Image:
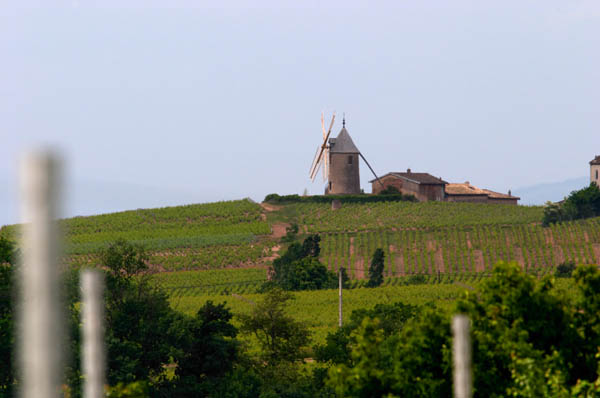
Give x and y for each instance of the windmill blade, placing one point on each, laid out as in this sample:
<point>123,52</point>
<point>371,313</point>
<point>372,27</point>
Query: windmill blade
<point>326,164</point>
<point>315,163</point>
<point>313,169</point>
<point>372,171</point>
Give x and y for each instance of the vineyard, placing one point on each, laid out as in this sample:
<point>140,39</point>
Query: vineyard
<point>202,236</point>
<point>465,249</point>
<point>355,217</point>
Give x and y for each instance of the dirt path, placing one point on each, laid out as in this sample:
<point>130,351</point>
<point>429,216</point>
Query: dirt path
<point>479,262</point>
<point>269,207</point>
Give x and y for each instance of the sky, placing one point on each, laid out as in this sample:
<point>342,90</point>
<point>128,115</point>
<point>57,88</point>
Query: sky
<point>163,103</point>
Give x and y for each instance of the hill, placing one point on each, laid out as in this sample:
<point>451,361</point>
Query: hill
<point>552,191</point>
<point>430,238</point>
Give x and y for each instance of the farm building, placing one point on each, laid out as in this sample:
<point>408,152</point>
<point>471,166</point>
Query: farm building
<point>466,192</point>
<point>426,187</point>
<point>423,186</point>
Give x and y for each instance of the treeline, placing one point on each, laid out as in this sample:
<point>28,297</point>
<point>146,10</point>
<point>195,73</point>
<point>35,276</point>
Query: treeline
<point>584,203</point>
<point>388,196</point>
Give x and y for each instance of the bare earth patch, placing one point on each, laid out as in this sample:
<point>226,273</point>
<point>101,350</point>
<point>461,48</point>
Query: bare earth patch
<point>479,263</point>
<point>279,229</point>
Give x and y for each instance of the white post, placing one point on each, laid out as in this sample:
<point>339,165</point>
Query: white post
<point>461,352</point>
<point>92,315</point>
<point>340,299</point>
<point>40,318</point>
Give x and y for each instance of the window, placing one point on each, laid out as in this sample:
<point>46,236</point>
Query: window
<point>350,159</point>
<point>330,185</point>
<point>596,174</point>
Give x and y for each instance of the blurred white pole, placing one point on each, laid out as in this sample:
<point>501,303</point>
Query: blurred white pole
<point>461,352</point>
<point>92,314</point>
<point>40,338</point>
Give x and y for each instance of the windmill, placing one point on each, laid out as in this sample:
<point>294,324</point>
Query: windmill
<point>338,158</point>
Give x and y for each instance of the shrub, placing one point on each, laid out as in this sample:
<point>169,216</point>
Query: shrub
<point>565,270</point>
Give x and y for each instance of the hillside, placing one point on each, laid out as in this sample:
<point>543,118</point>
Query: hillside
<point>416,237</point>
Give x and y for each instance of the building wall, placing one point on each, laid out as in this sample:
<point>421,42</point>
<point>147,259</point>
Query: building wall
<point>433,192</point>
<point>467,198</point>
<point>343,174</point>
<point>422,192</point>
<point>387,181</point>
<point>595,174</point>
<point>499,201</point>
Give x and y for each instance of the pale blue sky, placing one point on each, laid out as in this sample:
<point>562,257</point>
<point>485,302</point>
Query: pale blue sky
<point>201,101</point>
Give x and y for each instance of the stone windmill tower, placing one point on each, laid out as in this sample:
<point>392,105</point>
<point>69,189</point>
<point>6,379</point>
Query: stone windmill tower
<point>339,160</point>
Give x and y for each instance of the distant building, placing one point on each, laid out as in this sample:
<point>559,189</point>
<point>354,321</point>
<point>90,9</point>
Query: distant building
<point>595,170</point>
<point>423,186</point>
<point>466,192</point>
<point>426,187</point>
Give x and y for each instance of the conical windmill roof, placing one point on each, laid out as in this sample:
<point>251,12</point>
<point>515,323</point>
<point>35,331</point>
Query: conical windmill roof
<point>342,143</point>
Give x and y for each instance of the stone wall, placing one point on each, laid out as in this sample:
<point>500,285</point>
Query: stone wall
<point>343,174</point>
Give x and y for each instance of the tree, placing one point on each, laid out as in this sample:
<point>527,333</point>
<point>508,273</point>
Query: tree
<point>376,268</point>
<point>8,251</point>
<point>391,318</point>
<point>583,203</point>
<point>142,330</point>
<point>527,341</point>
<point>281,337</point>
<point>209,352</point>
<point>7,370</point>
<point>299,267</point>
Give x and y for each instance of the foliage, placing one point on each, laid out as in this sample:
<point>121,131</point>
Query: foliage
<point>7,370</point>
<point>565,270</point>
<point>413,363</point>
<point>376,268</point>
<point>584,203</point>
<point>390,319</point>
<point>8,251</point>
<point>137,389</point>
<point>280,336</point>
<point>290,233</point>
<point>389,190</point>
<point>299,267</point>
<point>527,341</point>
<point>208,352</point>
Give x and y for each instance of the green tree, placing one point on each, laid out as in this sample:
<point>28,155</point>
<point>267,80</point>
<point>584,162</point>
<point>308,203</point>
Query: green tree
<point>8,251</point>
<point>299,267</point>
<point>142,331</point>
<point>208,353</point>
<point>7,375</point>
<point>583,203</point>
<point>376,268</point>
<point>280,336</point>
<point>391,319</point>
